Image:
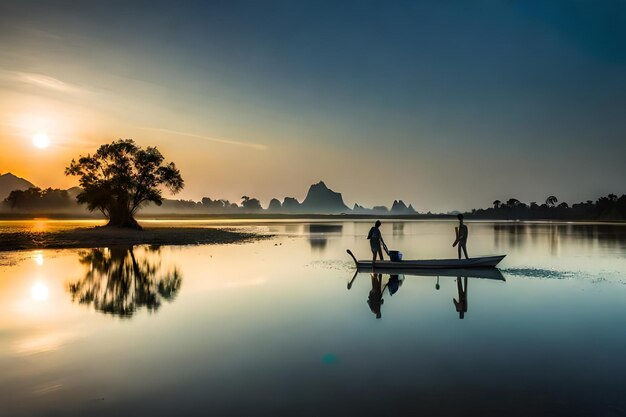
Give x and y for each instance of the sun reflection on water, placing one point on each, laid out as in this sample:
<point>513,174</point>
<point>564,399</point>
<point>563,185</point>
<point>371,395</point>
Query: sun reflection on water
<point>38,257</point>
<point>39,292</point>
<point>39,225</point>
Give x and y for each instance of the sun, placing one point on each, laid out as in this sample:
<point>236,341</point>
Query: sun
<point>41,140</point>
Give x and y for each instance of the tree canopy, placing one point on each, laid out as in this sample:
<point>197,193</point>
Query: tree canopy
<point>121,177</point>
<point>249,203</point>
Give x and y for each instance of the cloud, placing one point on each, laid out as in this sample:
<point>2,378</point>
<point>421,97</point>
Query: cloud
<point>252,145</point>
<point>41,81</point>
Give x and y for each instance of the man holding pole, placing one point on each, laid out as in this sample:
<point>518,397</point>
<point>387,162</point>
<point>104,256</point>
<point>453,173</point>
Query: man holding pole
<point>461,237</point>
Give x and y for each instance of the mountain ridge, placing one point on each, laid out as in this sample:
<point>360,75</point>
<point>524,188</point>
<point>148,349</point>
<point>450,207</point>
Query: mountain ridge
<point>10,182</point>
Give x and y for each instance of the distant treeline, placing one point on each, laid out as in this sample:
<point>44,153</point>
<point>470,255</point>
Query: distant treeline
<point>41,201</point>
<point>319,200</point>
<point>56,200</point>
<point>38,200</point>
<point>610,207</point>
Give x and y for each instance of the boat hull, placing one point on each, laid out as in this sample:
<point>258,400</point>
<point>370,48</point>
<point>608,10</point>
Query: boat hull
<point>478,262</point>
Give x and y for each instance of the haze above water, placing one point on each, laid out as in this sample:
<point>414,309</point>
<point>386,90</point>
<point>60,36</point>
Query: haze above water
<point>271,328</point>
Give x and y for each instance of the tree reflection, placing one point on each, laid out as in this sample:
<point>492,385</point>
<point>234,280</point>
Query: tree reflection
<point>121,280</point>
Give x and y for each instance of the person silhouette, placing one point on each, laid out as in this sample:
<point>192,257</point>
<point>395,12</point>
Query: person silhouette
<point>461,305</point>
<point>461,237</point>
<point>376,239</point>
<point>375,298</point>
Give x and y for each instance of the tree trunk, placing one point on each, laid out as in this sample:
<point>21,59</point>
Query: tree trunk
<point>121,217</point>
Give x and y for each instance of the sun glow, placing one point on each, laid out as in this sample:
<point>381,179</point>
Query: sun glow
<point>39,292</point>
<point>41,140</point>
<point>38,257</point>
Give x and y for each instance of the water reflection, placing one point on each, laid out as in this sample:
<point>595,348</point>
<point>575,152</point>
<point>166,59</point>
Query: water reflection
<point>554,235</point>
<point>375,298</point>
<point>121,280</point>
<point>395,280</point>
<point>398,228</point>
<point>318,234</point>
<point>461,304</point>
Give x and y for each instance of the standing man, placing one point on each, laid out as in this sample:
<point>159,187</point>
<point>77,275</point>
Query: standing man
<point>461,237</point>
<point>376,239</point>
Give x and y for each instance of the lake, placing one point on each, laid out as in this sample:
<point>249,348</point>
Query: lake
<point>283,326</point>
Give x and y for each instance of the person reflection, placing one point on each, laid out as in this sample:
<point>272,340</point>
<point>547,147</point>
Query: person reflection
<point>375,298</point>
<point>461,305</point>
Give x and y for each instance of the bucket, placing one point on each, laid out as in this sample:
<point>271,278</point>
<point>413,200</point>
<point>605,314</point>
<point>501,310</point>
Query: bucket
<point>395,256</point>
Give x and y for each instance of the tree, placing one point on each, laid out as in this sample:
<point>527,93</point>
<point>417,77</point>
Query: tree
<point>23,199</point>
<point>250,203</point>
<point>551,201</point>
<point>122,177</point>
<point>496,204</point>
<point>513,202</point>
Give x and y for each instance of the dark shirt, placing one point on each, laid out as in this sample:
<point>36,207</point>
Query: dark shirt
<point>463,233</point>
<point>374,235</point>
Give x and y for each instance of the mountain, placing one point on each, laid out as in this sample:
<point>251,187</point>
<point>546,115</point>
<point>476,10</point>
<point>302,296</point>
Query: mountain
<point>321,199</point>
<point>274,205</point>
<point>399,207</point>
<point>74,191</point>
<point>10,182</point>
<point>290,204</point>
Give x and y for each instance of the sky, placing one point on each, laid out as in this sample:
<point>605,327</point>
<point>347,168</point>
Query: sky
<point>443,104</point>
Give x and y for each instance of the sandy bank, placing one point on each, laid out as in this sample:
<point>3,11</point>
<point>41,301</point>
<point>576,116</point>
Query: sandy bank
<point>103,237</point>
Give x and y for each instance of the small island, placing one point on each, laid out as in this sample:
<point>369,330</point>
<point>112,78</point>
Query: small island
<point>97,237</point>
<point>116,181</point>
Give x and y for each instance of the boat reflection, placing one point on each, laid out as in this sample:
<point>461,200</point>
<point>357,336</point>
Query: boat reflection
<point>391,280</point>
<point>121,280</point>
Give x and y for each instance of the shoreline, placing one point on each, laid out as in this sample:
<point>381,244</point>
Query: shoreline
<point>97,237</point>
<point>292,217</point>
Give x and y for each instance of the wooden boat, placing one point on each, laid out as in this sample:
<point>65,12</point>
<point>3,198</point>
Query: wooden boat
<point>479,262</point>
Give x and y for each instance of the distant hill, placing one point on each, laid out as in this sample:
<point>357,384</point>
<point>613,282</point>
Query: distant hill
<point>10,182</point>
<point>274,205</point>
<point>73,192</point>
<point>399,207</point>
<point>321,199</point>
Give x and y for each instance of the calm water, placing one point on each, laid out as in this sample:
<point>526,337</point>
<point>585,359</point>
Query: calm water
<point>271,328</point>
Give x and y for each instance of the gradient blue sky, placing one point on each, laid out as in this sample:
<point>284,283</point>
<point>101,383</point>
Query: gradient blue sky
<point>448,105</point>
